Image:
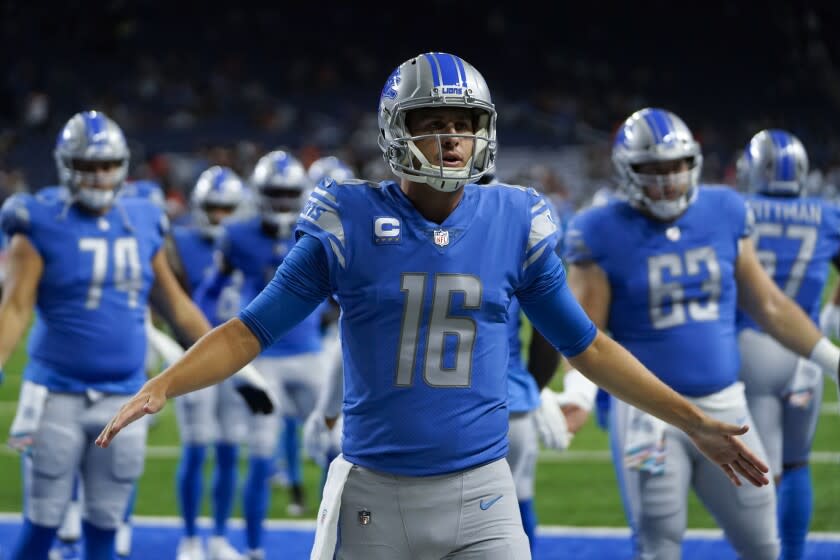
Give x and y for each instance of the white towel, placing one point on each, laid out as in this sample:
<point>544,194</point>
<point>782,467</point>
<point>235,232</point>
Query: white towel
<point>28,415</point>
<point>806,378</point>
<point>326,529</point>
<point>644,446</point>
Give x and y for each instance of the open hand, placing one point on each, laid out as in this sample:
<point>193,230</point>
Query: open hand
<point>150,399</point>
<point>718,441</point>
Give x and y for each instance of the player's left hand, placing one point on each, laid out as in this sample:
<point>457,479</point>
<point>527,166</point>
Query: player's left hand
<point>717,440</point>
<point>149,400</point>
<point>259,397</point>
<point>551,422</point>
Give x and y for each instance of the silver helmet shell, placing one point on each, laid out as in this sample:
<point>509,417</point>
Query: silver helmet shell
<point>218,187</point>
<point>329,167</point>
<point>656,135</point>
<point>774,163</point>
<point>91,136</point>
<point>436,80</point>
<point>282,184</point>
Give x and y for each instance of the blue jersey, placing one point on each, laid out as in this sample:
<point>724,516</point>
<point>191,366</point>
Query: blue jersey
<point>425,312</point>
<point>523,393</point>
<point>195,251</point>
<point>796,239</point>
<point>93,293</point>
<point>246,247</point>
<point>144,189</point>
<point>673,290</point>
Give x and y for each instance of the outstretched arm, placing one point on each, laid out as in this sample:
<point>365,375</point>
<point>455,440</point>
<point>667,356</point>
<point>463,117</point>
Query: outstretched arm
<point>552,308</point>
<point>20,288</point>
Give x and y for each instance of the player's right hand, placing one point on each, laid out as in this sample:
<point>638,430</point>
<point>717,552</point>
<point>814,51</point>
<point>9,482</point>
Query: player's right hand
<point>319,440</point>
<point>150,399</point>
<point>830,320</point>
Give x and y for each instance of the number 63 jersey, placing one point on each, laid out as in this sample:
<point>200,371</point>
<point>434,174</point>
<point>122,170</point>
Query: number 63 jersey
<point>424,314</point>
<point>673,291</point>
<point>93,293</point>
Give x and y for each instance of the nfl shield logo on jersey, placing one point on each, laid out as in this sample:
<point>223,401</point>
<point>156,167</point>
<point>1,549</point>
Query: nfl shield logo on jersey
<point>441,237</point>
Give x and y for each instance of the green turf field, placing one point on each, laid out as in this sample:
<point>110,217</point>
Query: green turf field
<point>577,488</point>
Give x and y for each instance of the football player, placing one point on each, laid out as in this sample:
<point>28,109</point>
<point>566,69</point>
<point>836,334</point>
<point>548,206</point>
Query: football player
<point>676,313</point>
<point>255,247</point>
<point>796,237</point>
<point>424,270</point>
<point>216,415</point>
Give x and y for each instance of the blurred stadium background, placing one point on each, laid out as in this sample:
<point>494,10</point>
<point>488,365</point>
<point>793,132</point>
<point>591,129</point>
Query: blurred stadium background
<point>197,84</point>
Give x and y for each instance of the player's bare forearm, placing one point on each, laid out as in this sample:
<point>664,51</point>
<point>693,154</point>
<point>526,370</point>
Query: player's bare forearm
<point>13,323</point>
<point>612,367</point>
<point>216,356</point>
<point>23,273</point>
<point>784,320</point>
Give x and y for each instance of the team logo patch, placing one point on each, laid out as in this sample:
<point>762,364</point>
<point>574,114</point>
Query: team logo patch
<point>364,517</point>
<point>441,237</point>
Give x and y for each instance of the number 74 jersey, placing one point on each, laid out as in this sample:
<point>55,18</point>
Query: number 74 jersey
<point>673,290</point>
<point>92,296</point>
<point>424,314</point>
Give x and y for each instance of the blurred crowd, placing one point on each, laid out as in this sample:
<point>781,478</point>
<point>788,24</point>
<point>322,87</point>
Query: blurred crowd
<point>234,83</point>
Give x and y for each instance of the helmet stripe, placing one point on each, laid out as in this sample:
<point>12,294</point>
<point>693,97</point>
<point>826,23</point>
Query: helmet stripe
<point>659,123</point>
<point>433,64</point>
<point>94,126</point>
<point>783,156</point>
<point>461,70</point>
<point>219,179</point>
<point>449,75</point>
<point>651,122</point>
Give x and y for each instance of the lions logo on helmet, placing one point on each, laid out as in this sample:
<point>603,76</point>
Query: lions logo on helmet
<point>436,80</point>
<point>329,167</point>
<point>217,194</point>
<point>91,156</point>
<point>774,163</point>
<point>281,183</point>
<point>658,162</point>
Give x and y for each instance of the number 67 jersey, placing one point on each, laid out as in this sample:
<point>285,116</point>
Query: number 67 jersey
<point>424,314</point>
<point>673,290</point>
<point>92,296</point>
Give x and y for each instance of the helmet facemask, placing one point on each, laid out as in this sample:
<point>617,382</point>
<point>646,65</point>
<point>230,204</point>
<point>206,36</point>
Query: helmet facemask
<point>664,195</point>
<point>280,206</point>
<point>93,183</point>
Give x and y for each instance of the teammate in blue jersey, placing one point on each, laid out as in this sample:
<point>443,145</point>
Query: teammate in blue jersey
<point>796,237</point>
<point>215,415</point>
<point>424,271</point>
<point>664,271</point>
<point>255,247</point>
<point>88,262</point>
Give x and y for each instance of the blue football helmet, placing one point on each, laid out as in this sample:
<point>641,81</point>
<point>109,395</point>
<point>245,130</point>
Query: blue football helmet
<point>657,136</point>
<point>91,156</point>
<point>217,188</point>
<point>332,167</point>
<point>436,80</point>
<point>774,163</point>
<point>282,185</point>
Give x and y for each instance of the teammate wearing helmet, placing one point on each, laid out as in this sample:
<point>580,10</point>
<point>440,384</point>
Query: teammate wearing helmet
<point>796,237</point>
<point>676,313</point>
<point>424,332</point>
<point>215,415</point>
<point>90,263</point>
<point>254,248</point>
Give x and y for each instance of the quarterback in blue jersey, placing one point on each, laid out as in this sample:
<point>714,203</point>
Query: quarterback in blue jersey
<point>424,271</point>
<point>676,312</point>
<point>215,415</point>
<point>88,262</point>
<point>796,237</point>
<point>255,247</point>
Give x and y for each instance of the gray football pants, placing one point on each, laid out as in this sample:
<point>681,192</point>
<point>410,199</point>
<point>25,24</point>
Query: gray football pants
<point>657,504</point>
<point>786,424</point>
<point>472,514</point>
<point>64,445</point>
<point>523,449</point>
